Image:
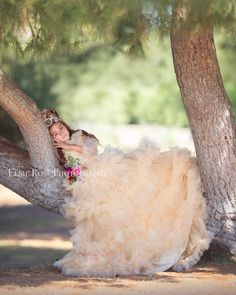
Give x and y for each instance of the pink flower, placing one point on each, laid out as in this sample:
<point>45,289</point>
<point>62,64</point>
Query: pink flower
<point>76,171</point>
<point>68,171</point>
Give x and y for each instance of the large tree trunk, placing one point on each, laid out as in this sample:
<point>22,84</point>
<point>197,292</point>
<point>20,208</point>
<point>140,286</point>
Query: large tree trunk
<point>211,121</point>
<point>35,174</point>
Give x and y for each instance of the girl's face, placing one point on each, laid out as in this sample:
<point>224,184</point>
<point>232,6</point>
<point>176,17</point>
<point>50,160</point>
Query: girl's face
<point>59,132</point>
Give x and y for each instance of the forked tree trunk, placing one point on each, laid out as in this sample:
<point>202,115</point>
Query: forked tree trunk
<point>212,124</point>
<point>34,174</point>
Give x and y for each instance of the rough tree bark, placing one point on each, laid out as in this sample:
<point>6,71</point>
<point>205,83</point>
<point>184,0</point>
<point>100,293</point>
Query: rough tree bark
<point>211,121</point>
<point>34,173</point>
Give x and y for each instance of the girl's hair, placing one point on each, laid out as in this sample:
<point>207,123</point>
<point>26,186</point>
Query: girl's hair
<point>47,113</point>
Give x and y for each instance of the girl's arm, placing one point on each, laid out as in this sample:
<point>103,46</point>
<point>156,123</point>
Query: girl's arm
<point>70,147</point>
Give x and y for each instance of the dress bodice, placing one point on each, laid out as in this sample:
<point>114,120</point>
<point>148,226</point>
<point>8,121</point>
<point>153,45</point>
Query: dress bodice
<point>89,146</point>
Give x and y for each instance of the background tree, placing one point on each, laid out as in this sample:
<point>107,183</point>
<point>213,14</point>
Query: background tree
<point>46,28</point>
<point>210,117</point>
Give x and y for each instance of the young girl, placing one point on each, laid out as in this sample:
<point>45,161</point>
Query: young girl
<point>78,141</point>
<point>134,212</point>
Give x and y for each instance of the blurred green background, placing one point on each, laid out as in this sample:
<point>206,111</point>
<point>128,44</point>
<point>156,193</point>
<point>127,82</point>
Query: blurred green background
<point>103,86</point>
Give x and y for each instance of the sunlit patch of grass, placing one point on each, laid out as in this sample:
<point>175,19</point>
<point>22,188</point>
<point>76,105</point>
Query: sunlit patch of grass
<point>27,252</point>
<point>37,243</point>
<point>9,198</point>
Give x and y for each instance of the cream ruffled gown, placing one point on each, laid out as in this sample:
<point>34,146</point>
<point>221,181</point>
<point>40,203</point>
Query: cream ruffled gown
<point>134,212</point>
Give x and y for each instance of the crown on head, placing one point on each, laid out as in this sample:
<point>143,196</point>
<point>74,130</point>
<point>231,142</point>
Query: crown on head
<point>51,120</point>
<point>50,117</point>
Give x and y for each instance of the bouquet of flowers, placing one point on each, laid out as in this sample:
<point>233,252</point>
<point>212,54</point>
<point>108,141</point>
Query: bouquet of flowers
<point>72,169</point>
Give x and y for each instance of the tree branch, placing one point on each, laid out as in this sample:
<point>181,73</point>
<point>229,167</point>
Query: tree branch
<point>26,114</point>
<point>16,174</point>
<point>35,173</point>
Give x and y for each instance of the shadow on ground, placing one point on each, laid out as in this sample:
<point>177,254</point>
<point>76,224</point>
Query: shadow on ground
<point>31,239</point>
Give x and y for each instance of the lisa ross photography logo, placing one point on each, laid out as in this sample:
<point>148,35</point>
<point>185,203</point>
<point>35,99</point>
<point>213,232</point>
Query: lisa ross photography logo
<point>33,172</point>
<point>53,173</point>
<point>73,171</point>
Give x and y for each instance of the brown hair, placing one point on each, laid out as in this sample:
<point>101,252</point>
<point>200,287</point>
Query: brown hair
<point>46,113</point>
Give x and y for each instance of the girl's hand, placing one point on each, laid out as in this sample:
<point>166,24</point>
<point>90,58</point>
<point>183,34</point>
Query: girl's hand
<point>67,146</point>
<point>61,144</point>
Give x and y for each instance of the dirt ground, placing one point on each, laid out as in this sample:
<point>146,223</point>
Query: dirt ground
<point>31,239</point>
<point>46,280</point>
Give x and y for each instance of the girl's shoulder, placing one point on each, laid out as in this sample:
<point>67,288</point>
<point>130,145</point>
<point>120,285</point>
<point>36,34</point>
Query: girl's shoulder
<point>76,138</point>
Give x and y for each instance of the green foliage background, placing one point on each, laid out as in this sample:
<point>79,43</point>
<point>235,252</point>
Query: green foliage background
<point>69,55</point>
<point>105,85</point>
